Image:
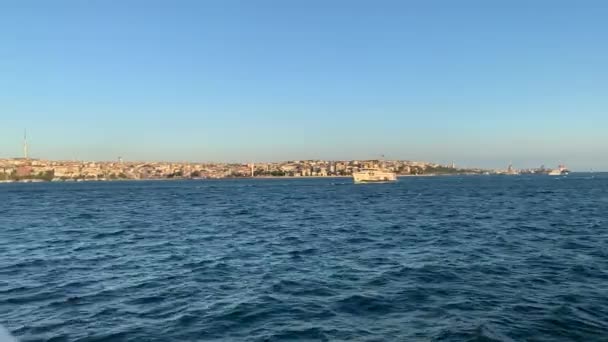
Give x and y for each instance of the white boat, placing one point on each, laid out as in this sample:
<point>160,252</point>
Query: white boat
<point>562,170</point>
<point>374,176</point>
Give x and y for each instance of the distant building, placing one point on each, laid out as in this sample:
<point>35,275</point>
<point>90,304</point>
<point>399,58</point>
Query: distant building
<point>24,171</point>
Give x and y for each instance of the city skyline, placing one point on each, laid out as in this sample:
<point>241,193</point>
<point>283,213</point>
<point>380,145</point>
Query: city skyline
<point>29,170</point>
<point>477,83</point>
<point>120,159</point>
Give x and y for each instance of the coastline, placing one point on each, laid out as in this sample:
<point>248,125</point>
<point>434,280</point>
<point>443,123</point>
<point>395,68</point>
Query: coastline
<point>216,179</point>
<point>199,179</point>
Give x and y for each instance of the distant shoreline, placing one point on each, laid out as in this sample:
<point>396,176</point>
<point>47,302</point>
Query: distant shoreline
<point>198,179</point>
<point>235,178</point>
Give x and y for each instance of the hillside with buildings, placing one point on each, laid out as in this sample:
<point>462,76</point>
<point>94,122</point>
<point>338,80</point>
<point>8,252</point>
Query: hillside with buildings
<point>23,169</point>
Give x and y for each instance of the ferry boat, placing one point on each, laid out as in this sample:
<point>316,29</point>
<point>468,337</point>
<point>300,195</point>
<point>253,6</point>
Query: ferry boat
<point>562,170</point>
<point>374,176</point>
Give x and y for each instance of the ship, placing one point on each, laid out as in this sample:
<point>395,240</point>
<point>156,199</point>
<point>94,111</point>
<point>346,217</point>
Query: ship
<point>561,170</point>
<point>374,176</point>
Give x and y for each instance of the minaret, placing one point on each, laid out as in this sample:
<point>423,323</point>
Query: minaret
<point>252,170</point>
<point>25,144</point>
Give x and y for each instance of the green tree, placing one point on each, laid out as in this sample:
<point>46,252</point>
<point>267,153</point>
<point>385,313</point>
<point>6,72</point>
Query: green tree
<point>47,175</point>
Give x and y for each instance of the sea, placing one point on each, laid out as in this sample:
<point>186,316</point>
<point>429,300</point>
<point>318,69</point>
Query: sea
<point>447,258</point>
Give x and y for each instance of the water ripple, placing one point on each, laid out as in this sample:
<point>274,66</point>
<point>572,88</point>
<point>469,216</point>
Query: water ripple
<point>430,258</point>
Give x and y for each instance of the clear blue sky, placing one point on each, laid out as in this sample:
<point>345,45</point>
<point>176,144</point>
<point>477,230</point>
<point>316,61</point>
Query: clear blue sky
<point>481,82</point>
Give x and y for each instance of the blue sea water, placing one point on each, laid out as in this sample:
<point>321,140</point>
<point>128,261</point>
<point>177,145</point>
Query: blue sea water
<point>471,258</point>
